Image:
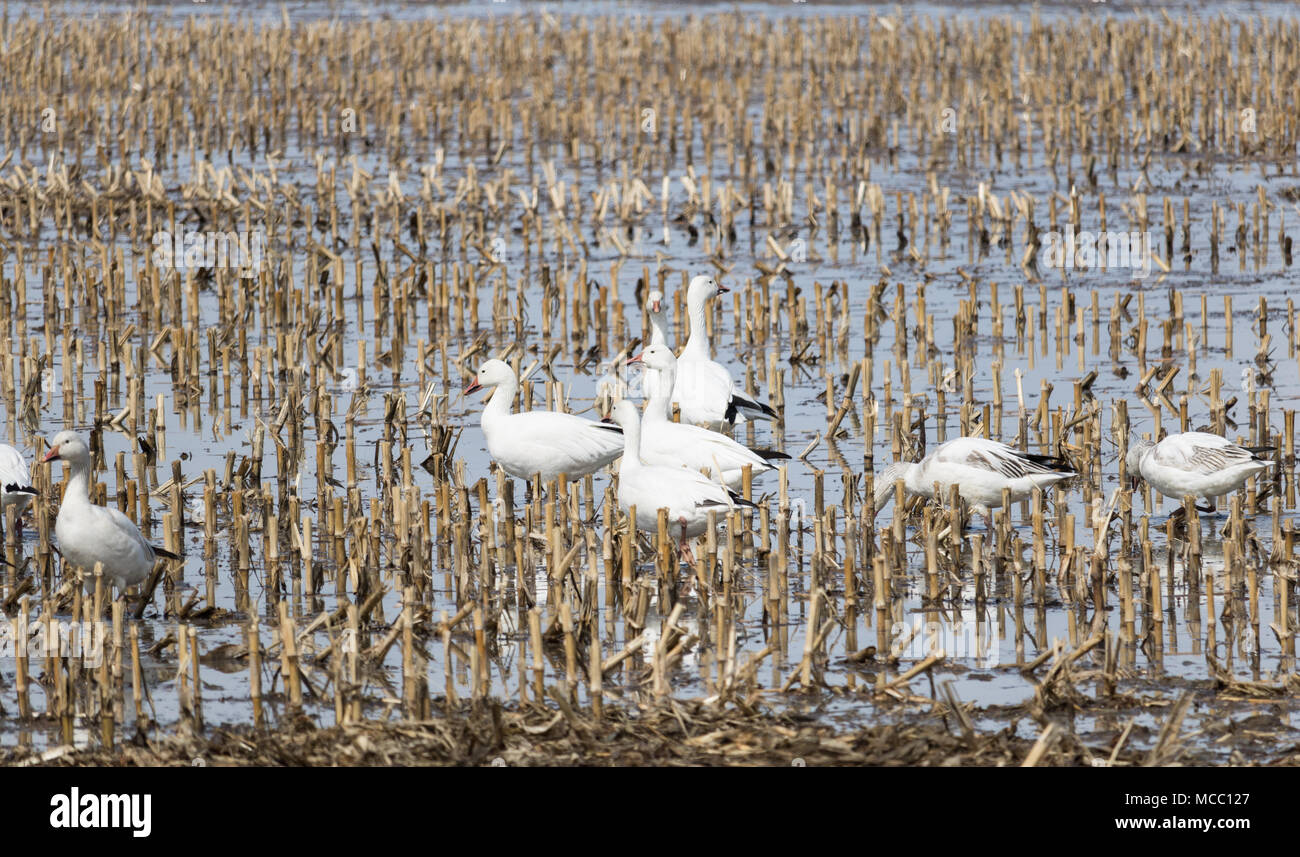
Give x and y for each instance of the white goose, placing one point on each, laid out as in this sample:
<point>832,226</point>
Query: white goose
<point>705,391</point>
<point>87,533</point>
<point>1194,463</point>
<point>15,483</point>
<point>980,468</point>
<point>686,494</point>
<point>679,445</point>
<point>540,442</point>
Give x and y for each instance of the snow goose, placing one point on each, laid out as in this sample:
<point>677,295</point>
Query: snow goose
<point>1194,463</point>
<point>679,445</point>
<point>87,533</point>
<point>980,468</point>
<point>15,483</point>
<point>686,494</point>
<point>705,390</point>
<point>545,443</point>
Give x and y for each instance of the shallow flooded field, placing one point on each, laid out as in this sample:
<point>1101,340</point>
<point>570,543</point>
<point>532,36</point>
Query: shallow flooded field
<point>255,258</point>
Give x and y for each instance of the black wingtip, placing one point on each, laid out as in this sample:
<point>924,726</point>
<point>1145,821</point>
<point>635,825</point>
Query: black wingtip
<point>771,454</point>
<point>610,427</point>
<point>166,554</point>
<point>741,501</point>
<point>1051,462</point>
<point>15,488</point>
<point>761,410</point>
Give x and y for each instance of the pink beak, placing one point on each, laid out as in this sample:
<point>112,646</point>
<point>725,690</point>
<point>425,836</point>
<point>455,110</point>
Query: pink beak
<point>52,455</point>
<point>636,359</point>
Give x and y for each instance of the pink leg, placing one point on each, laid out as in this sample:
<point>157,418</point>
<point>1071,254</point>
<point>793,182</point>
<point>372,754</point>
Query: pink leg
<point>684,547</point>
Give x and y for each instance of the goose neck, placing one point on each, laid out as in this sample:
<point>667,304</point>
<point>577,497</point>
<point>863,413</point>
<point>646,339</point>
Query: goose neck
<point>659,409</point>
<point>78,490</point>
<point>631,459</point>
<point>697,345</point>
<point>658,329</point>
<point>501,402</point>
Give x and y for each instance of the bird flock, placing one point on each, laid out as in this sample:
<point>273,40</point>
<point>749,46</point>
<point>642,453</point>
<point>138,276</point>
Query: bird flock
<point>689,466</point>
<point>692,468</point>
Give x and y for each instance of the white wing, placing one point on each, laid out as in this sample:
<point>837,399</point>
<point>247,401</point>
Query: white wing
<point>547,439</point>
<point>1200,452</point>
<point>998,458</point>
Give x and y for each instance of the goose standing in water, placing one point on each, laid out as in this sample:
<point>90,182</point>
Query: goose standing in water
<point>705,391</point>
<point>88,533</point>
<point>980,468</point>
<point>1194,463</point>
<point>687,494</point>
<point>680,445</point>
<point>540,442</point>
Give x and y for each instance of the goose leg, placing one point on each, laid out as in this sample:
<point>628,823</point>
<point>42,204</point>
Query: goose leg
<point>685,548</point>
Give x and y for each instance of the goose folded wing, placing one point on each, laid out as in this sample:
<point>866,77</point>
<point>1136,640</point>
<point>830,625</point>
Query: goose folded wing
<point>692,486</point>
<point>550,434</point>
<point>1204,458</point>
<point>1014,464</point>
<point>115,536</point>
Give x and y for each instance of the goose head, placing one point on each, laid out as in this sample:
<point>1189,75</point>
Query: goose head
<point>655,301</point>
<point>491,374</point>
<point>655,357</point>
<point>68,446</point>
<point>624,414</point>
<point>885,482</point>
<point>1133,461</point>
<point>703,287</point>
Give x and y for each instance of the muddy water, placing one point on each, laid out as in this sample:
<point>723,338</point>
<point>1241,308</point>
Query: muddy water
<point>981,639</point>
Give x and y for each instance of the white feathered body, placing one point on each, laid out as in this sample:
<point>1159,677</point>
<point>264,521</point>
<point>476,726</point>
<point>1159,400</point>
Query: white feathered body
<point>87,534</point>
<point>549,443</point>
<point>664,442</point>
<point>981,469</point>
<point>687,494</point>
<point>1198,464</point>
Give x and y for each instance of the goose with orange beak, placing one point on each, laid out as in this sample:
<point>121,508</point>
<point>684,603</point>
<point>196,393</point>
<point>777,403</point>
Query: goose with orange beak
<point>89,534</point>
<point>545,443</point>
